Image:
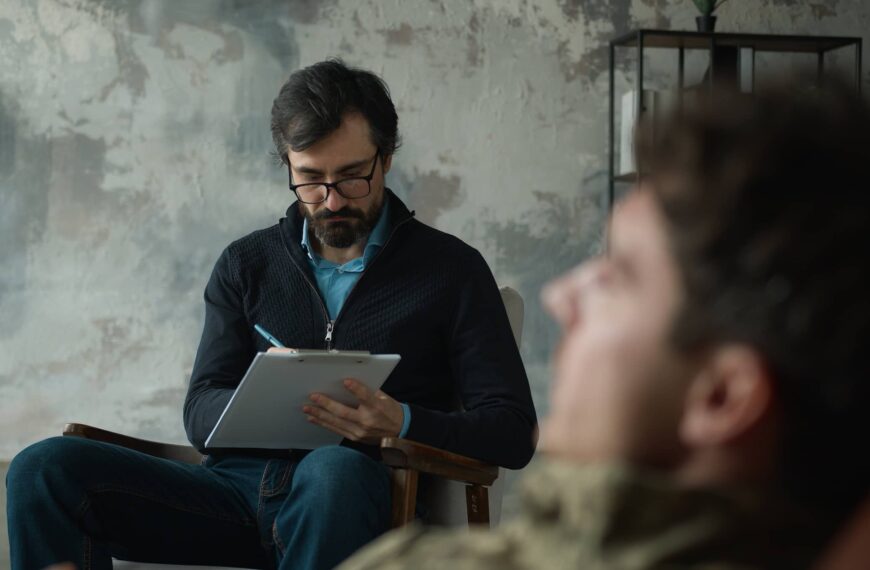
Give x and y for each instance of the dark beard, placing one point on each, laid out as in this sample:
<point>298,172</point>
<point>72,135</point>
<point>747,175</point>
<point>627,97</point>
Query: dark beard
<point>342,235</point>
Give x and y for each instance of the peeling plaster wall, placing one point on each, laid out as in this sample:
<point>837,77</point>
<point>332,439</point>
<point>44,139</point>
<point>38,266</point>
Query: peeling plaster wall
<point>134,145</point>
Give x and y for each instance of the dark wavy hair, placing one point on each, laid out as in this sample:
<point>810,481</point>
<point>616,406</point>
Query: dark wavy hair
<point>767,206</point>
<point>313,101</point>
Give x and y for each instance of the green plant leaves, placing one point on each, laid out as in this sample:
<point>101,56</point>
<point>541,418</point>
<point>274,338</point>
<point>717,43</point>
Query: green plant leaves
<point>707,7</point>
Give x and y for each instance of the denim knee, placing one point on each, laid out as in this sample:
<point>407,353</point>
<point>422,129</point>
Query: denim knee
<point>33,460</point>
<point>336,469</point>
<point>41,466</point>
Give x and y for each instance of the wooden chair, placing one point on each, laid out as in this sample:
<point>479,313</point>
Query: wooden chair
<point>408,459</point>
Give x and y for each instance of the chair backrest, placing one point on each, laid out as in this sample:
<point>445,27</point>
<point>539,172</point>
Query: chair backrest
<point>445,500</point>
<point>515,308</point>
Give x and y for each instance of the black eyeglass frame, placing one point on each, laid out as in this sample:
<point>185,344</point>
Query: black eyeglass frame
<point>335,185</point>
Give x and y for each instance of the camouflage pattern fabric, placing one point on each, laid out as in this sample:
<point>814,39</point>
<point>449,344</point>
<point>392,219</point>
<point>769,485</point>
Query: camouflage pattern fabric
<point>616,518</point>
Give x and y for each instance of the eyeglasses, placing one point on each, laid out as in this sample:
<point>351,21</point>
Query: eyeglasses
<point>350,188</point>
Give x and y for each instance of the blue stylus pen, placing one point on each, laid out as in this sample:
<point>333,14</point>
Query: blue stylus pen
<point>268,336</point>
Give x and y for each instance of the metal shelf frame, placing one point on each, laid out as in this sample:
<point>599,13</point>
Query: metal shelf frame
<point>682,40</point>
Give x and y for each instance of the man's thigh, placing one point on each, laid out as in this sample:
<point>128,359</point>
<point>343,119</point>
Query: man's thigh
<point>336,500</point>
<point>143,508</point>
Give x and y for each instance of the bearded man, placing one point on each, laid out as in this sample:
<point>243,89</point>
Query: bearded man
<point>348,268</point>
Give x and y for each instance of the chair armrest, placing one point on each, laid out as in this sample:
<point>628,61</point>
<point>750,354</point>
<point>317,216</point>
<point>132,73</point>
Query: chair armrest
<point>409,454</point>
<point>183,453</point>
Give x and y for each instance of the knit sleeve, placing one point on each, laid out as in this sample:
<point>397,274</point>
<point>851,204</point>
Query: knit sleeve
<point>224,354</point>
<point>497,420</point>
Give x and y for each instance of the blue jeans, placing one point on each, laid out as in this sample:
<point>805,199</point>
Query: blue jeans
<point>71,499</point>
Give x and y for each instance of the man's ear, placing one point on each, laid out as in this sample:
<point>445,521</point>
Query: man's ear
<point>387,163</point>
<point>731,395</point>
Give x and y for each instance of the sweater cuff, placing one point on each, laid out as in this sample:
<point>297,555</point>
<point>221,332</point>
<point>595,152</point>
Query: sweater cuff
<point>406,419</point>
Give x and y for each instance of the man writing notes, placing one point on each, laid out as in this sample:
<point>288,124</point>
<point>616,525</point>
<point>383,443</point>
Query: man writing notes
<point>347,268</point>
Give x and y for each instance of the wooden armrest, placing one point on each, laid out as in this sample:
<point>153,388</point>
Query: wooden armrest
<point>409,454</point>
<point>183,453</point>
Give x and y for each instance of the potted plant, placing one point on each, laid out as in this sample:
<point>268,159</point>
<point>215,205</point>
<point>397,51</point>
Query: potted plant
<point>707,21</point>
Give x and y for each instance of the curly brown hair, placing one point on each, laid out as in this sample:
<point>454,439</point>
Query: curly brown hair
<point>767,208</point>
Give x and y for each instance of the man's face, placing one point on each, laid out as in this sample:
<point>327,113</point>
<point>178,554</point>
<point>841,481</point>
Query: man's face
<point>347,152</point>
<point>619,388</point>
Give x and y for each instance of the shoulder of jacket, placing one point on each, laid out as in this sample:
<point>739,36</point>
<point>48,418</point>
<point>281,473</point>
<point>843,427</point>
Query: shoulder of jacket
<point>441,240</point>
<point>256,241</point>
<point>253,250</point>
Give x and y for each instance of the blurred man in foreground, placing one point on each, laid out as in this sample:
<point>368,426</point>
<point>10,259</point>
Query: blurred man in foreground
<point>710,392</point>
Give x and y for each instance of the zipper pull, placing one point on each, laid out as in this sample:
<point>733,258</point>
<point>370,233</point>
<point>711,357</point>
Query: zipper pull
<point>330,325</point>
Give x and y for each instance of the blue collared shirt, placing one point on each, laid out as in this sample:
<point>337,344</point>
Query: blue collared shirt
<point>336,280</point>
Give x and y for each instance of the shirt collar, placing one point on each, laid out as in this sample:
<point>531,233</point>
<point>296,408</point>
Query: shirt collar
<point>379,233</point>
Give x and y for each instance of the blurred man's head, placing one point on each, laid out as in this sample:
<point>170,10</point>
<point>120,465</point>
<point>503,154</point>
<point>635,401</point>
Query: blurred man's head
<point>618,381</point>
<point>721,338</point>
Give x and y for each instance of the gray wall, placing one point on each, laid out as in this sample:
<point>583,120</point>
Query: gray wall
<point>134,146</point>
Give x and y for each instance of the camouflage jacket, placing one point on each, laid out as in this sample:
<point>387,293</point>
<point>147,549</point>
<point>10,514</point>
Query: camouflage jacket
<point>612,517</point>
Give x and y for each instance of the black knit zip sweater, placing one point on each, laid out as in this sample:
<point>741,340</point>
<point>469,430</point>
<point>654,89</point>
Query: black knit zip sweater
<point>426,296</point>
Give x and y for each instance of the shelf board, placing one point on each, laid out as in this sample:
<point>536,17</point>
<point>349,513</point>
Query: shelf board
<point>759,42</point>
<point>627,177</point>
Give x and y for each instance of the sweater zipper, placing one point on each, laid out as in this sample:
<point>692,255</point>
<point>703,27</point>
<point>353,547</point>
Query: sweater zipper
<point>330,323</point>
<point>329,326</point>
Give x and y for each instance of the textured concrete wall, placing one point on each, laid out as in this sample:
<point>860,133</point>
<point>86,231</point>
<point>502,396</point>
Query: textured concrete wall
<point>134,146</point>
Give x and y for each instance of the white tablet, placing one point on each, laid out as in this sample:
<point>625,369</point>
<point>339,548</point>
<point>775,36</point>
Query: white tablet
<point>266,409</point>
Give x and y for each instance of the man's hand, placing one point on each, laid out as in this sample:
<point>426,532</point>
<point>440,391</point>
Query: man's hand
<point>376,417</point>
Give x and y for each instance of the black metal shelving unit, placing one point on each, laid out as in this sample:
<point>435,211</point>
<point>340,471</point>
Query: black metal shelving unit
<point>715,43</point>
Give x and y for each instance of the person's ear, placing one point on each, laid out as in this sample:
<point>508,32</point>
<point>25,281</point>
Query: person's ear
<point>387,162</point>
<point>732,394</point>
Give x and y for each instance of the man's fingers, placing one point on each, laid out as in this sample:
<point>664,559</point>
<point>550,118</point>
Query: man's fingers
<point>331,427</point>
<point>356,435</point>
<point>323,415</point>
<point>335,408</point>
<point>374,418</point>
<point>358,389</point>
<point>381,395</point>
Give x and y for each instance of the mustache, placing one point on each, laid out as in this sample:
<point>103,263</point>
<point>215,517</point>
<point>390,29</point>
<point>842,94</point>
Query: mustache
<point>343,213</point>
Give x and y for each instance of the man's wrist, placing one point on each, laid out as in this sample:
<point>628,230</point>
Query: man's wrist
<point>406,419</point>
